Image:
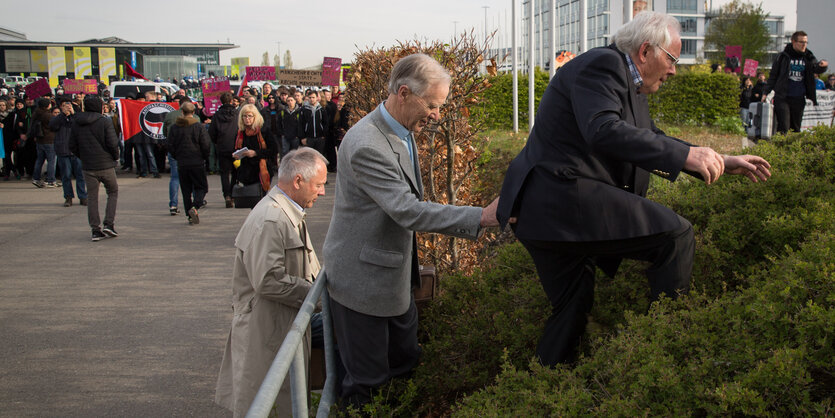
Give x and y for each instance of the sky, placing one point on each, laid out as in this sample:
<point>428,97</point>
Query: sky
<point>309,29</point>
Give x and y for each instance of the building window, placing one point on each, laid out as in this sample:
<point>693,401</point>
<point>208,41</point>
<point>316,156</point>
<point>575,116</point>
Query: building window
<point>686,6</point>
<point>772,26</point>
<point>688,48</point>
<point>688,25</point>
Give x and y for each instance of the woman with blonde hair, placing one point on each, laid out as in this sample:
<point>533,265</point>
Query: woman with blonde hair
<point>257,163</point>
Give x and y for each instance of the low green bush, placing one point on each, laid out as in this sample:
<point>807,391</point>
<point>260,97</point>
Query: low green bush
<point>496,107</point>
<point>755,336</point>
<point>696,98</point>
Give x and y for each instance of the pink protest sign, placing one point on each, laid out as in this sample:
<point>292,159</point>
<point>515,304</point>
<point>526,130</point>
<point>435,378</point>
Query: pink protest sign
<point>260,73</point>
<point>37,89</point>
<point>733,56</point>
<point>750,68</point>
<point>80,86</point>
<point>212,89</point>
<point>330,71</point>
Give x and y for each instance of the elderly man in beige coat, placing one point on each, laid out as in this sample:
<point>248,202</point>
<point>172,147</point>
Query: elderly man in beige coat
<point>274,268</point>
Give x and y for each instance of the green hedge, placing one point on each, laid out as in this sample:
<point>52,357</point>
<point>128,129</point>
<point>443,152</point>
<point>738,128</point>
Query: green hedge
<point>754,337</point>
<point>496,108</point>
<point>696,98</point>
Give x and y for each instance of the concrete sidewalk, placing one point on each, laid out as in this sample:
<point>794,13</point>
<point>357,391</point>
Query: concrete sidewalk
<point>127,326</point>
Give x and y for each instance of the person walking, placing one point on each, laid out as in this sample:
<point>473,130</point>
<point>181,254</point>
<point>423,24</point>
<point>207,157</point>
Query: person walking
<point>189,147</point>
<point>94,141</point>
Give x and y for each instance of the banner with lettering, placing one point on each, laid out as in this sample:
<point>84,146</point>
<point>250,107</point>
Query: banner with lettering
<point>750,68</point>
<point>82,61</point>
<point>331,68</point>
<point>107,64</point>
<point>300,77</point>
<point>212,89</point>
<point>822,114</point>
<point>37,88</point>
<point>89,86</point>
<point>260,73</point>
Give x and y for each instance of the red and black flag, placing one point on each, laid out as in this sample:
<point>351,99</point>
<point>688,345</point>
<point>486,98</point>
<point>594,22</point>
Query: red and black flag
<point>143,118</point>
<point>130,72</point>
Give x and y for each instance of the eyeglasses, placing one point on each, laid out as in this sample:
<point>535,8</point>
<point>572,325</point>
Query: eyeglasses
<point>248,116</point>
<point>426,105</point>
<point>675,60</point>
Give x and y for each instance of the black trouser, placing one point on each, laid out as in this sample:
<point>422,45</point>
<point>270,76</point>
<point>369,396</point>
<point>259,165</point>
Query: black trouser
<point>227,170</point>
<point>193,182</point>
<point>789,113</point>
<point>566,271</point>
<point>373,349</point>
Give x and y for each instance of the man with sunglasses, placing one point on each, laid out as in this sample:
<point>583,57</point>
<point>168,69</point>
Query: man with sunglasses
<point>575,194</point>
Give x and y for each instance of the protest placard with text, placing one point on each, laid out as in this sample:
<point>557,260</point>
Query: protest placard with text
<point>331,68</point>
<point>37,89</point>
<point>260,73</point>
<point>80,86</point>
<point>212,89</point>
<point>300,77</point>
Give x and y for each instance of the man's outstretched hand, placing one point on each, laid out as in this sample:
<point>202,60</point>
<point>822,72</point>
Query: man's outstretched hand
<point>751,166</point>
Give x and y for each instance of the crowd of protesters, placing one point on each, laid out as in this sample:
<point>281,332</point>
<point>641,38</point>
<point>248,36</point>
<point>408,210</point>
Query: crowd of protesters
<point>268,121</point>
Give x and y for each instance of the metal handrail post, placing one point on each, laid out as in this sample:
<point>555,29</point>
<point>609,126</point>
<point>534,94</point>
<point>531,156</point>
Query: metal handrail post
<point>265,398</point>
<point>329,390</point>
<point>298,387</point>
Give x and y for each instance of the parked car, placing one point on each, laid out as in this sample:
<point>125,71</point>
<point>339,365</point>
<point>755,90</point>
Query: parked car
<point>120,89</point>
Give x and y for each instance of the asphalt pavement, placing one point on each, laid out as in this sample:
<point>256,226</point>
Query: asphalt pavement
<point>131,326</point>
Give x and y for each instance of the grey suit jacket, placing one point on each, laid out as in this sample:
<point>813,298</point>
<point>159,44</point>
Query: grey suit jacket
<point>369,250</point>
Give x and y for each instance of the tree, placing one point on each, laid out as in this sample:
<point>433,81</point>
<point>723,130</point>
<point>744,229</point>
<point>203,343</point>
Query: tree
<point>288,60</point>
<point>276,61</point>
<point>737,23</point>
<point>265,59</point>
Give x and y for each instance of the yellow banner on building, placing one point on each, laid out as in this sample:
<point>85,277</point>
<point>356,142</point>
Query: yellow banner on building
<point>39,61</point>
<point>83,62</point>
<point>107,64</point>
<point>238,64</point>
<point>56,60</point>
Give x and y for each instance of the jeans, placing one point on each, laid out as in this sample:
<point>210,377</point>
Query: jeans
<point>289,144</point>
<point>108,178</point>
<point>46,152</point>
<point>147,163</point>
<point>174,183</point>
<point>71,166</point>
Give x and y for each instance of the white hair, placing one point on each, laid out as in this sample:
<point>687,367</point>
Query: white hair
<point>299,161</point>
<point>652,27</point>
<point>417,72</point>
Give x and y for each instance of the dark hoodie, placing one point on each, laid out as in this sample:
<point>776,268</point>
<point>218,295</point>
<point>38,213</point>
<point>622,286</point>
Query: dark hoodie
<point>188,143</point>
<point>224,129</point>
<point>93,140</point>
<point>779,79</point>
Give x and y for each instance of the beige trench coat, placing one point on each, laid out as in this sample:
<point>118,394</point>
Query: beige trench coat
<point>275,265</point>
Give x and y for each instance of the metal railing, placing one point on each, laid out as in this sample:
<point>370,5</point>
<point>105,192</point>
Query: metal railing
<point>291,354</point>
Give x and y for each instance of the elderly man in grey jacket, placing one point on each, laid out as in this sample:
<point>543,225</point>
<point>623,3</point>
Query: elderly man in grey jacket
<point>370,249</point>
<point>275,265</point>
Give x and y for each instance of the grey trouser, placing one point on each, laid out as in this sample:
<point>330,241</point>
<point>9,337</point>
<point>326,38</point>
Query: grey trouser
<point>106,177</point>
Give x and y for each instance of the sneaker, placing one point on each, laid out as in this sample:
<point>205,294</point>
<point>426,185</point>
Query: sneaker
<point>98,236</point>
<point>38,184</point>
<point>67,202</point>
<point>157,175</point>
<point>58,183</point>
<point>193,217</point>
<point>174,210</point>
<point>82,202</point>
<point>110,231</point>
<point>229,202</point>
<point>51,185</point>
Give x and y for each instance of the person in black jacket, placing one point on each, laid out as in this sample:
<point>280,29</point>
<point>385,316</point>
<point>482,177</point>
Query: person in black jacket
<point>793,81</point>
<point>577,189</point>
<point>94,141</point>
<point>290,134</point>
<point>189,145</point>
<point>223,130</point>
<point>759,87</point>
<point>314,123</point>
<point>257,162</point>
<point>69,163</point>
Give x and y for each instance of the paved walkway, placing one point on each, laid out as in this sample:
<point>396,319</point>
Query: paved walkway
<point>128,326</point>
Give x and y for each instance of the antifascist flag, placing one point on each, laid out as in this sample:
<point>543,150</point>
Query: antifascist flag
<point>132,73</point>
<point>143,118</point>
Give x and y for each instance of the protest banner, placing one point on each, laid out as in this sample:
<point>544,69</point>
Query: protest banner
<point>82,61</point>
<point>212,89</point>
<point>80,86</point>
<point>750,68</point>
<point>139,117</point>
<point>331,68</point>
<point>37,89</point>
<point>820,114</point>
<point>733,56</point>
<point>300,77</point>
<point>260,73</point>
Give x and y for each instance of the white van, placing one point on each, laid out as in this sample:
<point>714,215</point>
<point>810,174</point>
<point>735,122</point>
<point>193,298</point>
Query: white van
<point>14,80</point>
<point>120,89</point>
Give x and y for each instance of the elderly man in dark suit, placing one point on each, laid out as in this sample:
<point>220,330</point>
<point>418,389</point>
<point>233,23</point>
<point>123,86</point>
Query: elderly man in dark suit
<point>370,251</point>
<point>576,191</point>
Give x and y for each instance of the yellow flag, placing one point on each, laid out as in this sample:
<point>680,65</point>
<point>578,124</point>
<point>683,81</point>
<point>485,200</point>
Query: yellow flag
<point>57,64</point>
<point>107,64</point>
<point>83,62</point>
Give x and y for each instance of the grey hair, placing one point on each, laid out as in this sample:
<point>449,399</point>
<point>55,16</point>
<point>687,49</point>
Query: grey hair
<point>653,27</point>
<point>417,72</point>
<point>301,161</point>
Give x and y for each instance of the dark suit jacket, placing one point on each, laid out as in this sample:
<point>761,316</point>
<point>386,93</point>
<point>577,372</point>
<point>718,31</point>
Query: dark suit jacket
<point>584,172</point>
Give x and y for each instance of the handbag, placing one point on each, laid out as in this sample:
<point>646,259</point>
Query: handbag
<point>246,196</point>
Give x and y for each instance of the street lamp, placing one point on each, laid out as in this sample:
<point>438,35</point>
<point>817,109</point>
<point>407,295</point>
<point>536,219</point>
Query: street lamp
<point>485,28</point>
